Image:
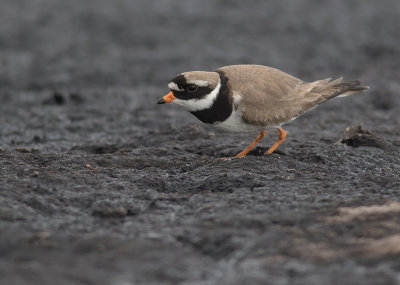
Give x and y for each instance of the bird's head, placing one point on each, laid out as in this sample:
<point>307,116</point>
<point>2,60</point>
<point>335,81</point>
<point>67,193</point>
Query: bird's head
<point>195,90</point>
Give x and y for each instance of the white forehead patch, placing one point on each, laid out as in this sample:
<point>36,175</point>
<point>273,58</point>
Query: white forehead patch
<point>200,83</point>
<point>173,86</point>
<point>204,103</point>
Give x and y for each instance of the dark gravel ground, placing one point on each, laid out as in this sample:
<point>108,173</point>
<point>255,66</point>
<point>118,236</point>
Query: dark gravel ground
<point>99,185</point>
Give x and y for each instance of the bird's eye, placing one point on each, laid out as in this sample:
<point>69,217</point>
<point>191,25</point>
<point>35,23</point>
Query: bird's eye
<point>191,88</point>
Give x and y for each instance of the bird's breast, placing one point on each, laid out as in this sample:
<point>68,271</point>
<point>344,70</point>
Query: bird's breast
<point>235,124</point>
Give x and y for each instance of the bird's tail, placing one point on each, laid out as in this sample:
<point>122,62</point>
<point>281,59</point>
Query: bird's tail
<point>323,90</point>
<point>348,88</point>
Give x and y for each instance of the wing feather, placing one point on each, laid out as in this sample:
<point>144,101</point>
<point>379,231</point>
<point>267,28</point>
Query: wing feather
<point>272,97</point>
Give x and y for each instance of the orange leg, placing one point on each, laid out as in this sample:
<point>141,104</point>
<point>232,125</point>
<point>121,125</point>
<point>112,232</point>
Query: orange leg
<point>281,138</point>
<point>247,149</point>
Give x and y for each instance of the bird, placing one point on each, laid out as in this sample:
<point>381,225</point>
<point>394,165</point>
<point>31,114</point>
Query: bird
<point>249,98</point>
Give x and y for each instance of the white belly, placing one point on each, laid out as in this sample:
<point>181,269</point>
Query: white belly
<point>235,124</point>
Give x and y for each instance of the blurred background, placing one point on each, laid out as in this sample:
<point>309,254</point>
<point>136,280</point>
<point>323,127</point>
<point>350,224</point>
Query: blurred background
<point>54,43</point>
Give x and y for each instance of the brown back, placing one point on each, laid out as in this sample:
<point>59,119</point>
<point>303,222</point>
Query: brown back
<point>272,97</point>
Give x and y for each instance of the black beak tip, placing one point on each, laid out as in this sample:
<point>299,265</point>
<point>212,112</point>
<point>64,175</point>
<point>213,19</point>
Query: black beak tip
<point>161,101</point>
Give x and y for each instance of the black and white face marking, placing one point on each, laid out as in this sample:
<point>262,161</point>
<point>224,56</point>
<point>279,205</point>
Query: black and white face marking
<point>193,95</point>
<point>207,104</point>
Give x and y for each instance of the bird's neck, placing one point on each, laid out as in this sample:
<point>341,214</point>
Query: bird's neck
<point>222,107</point>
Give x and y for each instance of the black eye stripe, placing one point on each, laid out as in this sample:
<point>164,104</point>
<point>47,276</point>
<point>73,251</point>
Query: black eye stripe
<point>190,87</point>
<point>199,93</point>
<point>185,94</point>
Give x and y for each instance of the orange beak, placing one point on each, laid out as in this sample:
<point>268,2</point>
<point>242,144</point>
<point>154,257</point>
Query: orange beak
<point>167,98</point>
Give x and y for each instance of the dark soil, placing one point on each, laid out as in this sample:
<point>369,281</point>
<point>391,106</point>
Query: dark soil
<point>99,185</point>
